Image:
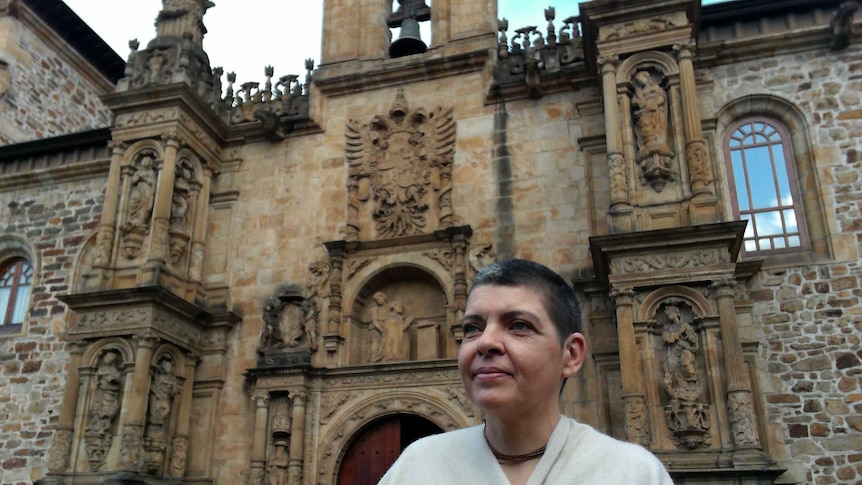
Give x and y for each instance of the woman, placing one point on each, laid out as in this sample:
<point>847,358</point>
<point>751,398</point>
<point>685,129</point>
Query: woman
<point>522,340</point>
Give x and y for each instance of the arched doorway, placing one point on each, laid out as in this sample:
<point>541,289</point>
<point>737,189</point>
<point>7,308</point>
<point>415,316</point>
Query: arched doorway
<point>376,447</point>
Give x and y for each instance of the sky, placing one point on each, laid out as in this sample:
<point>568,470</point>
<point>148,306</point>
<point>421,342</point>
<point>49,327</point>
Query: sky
<point>246,35</point>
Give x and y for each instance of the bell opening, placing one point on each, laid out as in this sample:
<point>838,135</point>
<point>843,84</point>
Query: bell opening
<point>409,40</point>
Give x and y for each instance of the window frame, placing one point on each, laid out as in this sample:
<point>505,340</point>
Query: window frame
<point>792,180</point>
<point>19,263</point>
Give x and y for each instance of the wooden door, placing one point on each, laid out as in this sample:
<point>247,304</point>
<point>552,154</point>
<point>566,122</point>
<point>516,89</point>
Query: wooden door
<point>377,446</point>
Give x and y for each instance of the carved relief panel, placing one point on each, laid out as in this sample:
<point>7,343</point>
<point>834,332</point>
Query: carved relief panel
<point>400,172</point>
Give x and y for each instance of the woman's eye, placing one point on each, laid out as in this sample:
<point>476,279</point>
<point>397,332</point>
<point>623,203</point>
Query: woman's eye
<point>520,326</point>
<point>470,328</point>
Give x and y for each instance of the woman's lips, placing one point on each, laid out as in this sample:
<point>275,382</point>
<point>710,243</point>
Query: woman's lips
<point>488,373</point>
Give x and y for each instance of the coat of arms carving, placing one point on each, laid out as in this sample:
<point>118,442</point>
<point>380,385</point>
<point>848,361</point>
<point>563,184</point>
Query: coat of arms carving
<point>399,169</point>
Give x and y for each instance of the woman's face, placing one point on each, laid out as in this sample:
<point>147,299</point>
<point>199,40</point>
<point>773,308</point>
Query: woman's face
<point>511,360</point>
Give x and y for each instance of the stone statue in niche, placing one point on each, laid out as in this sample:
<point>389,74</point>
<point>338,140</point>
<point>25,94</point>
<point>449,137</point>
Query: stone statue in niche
<point>179,232</point>
<point>180,198</point>
<point>654,155</point>
<point>387,329</point>
<point>142,191</point>
<point>397,163</point>
<point>162,390</point>
<point>104,409</point>
<point>688,419</point>
<point>276,466</point>
<point>316,287</point>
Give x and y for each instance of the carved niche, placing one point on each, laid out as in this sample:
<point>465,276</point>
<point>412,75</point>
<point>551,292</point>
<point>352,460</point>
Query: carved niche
<point>399,169</point>
<point>649,102</point>
<point>104,408</point>
<point>142,176</point>
<point>688,418</point>
<point>183,202</point>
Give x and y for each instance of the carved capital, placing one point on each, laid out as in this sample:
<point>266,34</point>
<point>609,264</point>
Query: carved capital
<point>118,147</point>
<point>261,399</point>
<point>172,138</point>
<point>622,296</point>
<point>146,339</point>
<point>685,50</point>
<point>299,398</point>
<point>723,287</point>
<point>608,64</point>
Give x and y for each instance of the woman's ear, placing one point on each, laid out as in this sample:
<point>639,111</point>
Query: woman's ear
<point>574,353</point>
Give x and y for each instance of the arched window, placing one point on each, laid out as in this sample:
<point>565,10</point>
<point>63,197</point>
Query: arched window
<point>764,186</point>
<point>16,278</point>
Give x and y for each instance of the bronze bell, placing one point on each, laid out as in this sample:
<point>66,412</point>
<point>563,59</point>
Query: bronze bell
<point>409,41</point>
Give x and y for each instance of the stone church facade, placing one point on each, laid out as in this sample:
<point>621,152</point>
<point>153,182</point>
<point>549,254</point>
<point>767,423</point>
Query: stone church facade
<point>205,281</point>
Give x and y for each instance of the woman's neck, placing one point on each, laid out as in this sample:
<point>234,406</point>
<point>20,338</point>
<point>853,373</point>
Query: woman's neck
<point>520,435</point>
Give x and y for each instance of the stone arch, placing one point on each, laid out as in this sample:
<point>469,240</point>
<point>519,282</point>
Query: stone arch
<point>135,148</point>
<point>787,114</point>
<point>659,61</point>
<point>12,246</point>
<point>93,352</point>
<point>169,350</point>
<point>361,279</point>
<point>356,416</point>
<point>654,300</point>
<point>84,261</point>
<point>425,295</point>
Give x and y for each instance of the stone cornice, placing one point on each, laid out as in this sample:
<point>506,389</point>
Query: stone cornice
<point>357,76</point>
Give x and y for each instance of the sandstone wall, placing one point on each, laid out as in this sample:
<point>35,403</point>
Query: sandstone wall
<point>55,220</point>
<point>293,197</point>
<point>42,94</point>
<point>811,316</point>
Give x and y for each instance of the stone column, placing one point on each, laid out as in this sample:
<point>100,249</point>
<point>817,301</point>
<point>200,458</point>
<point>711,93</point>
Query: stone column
<point>332,337</point>
<point>135,412</point>
<point>743,423</point>
<point>180,443</point>
<point>636,423</point>
<point>616,160</point>
<point>700,174</point>
<point>297,439</point>
<point>58,457</point>
<point>199,236</point>
<point>162,208</point>
<point>258,446</point>
<point>107,226</point>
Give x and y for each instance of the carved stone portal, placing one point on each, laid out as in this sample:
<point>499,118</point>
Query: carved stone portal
<point>687,418</point>
<point>400,170</point>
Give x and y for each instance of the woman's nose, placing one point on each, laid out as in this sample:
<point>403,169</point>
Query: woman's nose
<point>490,342</point>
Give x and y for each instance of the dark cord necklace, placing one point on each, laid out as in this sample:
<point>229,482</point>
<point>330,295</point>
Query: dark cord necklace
<point>505,459</point>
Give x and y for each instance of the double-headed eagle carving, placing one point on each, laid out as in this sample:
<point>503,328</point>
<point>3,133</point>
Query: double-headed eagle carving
<point>401,164</point>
